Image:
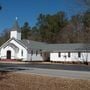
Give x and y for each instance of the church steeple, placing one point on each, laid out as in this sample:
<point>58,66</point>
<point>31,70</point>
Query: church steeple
<point>16,25</point>
<point>15,31</point>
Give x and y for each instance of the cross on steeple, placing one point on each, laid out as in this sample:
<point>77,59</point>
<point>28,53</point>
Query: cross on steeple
<point>16,18</point>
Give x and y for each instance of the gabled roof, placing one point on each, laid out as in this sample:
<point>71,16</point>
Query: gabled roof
<point>8,42</point>
<point>12,45</point>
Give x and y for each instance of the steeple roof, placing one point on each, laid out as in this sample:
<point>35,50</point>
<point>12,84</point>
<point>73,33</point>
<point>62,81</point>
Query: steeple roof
<point>16,26</point>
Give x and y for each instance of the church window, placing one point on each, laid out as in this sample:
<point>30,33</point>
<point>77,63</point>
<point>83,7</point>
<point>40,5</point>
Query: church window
<point>40,52</point>
<point>68,54</point>
<point>36,52</point>
<point>59,54</point>
<point>79,54</point>
<point>22,52</point>
<point>31,52</point>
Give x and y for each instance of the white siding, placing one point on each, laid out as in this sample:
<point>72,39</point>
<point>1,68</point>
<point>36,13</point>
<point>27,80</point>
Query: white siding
<point>4,52</point>
<point>19,55</point>
<point>73,57</point>
<point>14,54</point>
<point>15,34</point>
<point>37,57</point>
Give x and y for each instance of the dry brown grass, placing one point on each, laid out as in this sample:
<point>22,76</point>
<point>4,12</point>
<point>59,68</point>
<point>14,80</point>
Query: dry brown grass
<point>17,81</point>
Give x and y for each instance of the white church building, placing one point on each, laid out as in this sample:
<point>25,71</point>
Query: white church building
<point>28,50</point>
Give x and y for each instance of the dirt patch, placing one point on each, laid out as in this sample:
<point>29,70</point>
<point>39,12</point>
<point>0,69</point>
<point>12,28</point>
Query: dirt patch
<point>18,81</point>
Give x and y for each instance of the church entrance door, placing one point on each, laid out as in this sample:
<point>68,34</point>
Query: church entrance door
<point>8,54</point>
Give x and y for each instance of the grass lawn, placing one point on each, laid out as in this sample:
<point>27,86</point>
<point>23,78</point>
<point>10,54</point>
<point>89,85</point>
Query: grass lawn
<point>18,81</point>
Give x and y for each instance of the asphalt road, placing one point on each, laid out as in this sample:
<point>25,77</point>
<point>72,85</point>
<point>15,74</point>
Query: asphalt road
<point>46,66</point>
<point>55,70</point>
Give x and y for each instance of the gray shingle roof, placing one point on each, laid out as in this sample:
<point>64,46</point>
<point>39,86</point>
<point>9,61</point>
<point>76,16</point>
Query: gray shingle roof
<point>55,47</point>
<point>69,47</point>
<point>15,26</point>
<point>34,45</point>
